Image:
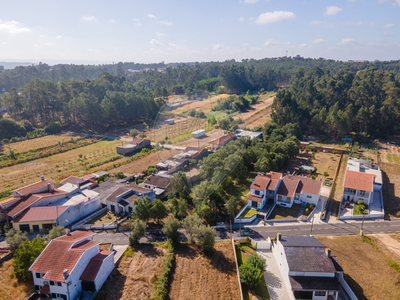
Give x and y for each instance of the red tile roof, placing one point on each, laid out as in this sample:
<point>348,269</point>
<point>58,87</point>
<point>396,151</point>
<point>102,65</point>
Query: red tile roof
<point>287,187</point>
<point>45,213</point>
<point>60,255</point>
<point>299,184</point>
<point>93,267</point>
<point>260,183</point>
<point>73,180</point>
<point>275,175</point>
<point>359,181</point>
<point>253,198</point>
<point>86,245</point>
<point>29,200</point>
<point>222,139</point>
<point>272,184</point>
<point>8,201</point>
<point>137,141</point>
<point>309,185</point>
<point>34,187</point>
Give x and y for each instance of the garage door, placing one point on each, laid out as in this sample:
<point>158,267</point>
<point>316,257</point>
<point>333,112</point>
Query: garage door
<point>24,228</point>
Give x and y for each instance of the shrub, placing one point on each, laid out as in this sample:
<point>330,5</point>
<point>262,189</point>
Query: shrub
<point>326,174</point>
<point>138,231</point>
<point>360,202</point>
<point>160,287</point>
<point>14,239</point>
<point>170,230</point>
<point>53,127</point>
<point>313,177</point>
<point>257,261</point>
<point>249,275</point>
<point>158,210</point>
<point>133,133</point>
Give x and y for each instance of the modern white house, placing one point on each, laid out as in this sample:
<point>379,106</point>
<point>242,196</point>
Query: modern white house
<point>299,190</point>
<point>309,269</point>
<point>70,264</point>
<point>199,133</point>
<point>264,187</point>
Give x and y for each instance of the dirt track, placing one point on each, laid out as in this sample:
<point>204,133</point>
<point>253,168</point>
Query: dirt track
<point>201,278</point>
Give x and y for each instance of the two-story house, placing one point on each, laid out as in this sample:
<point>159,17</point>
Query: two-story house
<point>70,264</point>
<point>123,198</point>
<point>298,189</point>
<point>264,187</point>
<point>358,186</point>
<point>308,268</point>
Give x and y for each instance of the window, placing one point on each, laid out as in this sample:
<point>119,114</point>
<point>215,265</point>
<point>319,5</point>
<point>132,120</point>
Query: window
<point>279,197</point>
<point>309,197</point>
<point>257,192</point>
<point>362,193</point>
<point>297,196</point>
<point>37,287</point>
<point>59,283</point>
<point>320,293</point>
<point>51,282</point>
<point>53,295</point>
<point>63,297</point>
<point>38,275</point>
<point>288,199</point>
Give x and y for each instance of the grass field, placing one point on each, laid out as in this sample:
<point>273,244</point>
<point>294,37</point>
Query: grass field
<point>195,276</point>
<point>325,162</point>
<point>248,213</point>
<point>280,212</point>
<point>12,288</point>
<point>261,289</point>
<point>40,142</point>
<point>134,276</point>
<point>366,266</point>
<point>57,166</point>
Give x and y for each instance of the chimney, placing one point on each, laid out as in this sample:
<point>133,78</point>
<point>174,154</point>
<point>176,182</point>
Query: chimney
<point>68,232</point>
<point>42,178</point>
<point>327,252</point>
<point>279,236</point>
<point>49,187</point>
<point>78,185</point>
<point>65,273</point>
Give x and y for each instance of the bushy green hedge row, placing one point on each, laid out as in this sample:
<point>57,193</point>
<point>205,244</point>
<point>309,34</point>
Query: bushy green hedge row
<point>160,287</point>
<point>114,158</point>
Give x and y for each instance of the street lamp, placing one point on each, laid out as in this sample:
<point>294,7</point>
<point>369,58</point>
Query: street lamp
<point>312,223</point>
<point>362,223</point>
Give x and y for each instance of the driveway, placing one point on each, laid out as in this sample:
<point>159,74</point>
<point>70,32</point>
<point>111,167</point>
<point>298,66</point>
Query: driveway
<point>273,277</point>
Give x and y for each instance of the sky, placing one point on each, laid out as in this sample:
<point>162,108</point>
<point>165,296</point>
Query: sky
<point>147,31</point>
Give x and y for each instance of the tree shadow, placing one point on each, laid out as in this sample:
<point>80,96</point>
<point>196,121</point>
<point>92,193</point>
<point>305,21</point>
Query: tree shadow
<point>274,283</point>
<point>113,287</point>
<point>355,287</point>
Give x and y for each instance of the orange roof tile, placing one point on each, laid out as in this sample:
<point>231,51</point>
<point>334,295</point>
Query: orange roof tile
<point>45,213</point>
<point>359,181</point>
<point>260,183</point>
<point>75,236</point>
<point>86,245</point>
<point>272,184</point>
<point>223,138</point>
<point>253,198</point>
<point>93,267</point>
<point>287,187</point>
<point>275,175</point>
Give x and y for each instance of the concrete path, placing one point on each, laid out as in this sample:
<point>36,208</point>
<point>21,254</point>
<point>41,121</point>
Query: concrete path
<point>273,278</point>
<point>120,249</point>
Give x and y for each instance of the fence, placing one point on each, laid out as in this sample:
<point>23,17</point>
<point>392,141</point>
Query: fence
<point>7,256</point>
<point>237,269</point>
<point>346,287</point>
<point>244,220</point>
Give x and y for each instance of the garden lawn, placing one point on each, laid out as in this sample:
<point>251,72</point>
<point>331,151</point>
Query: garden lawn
<point>281,212</point>
<point>261,289</point>
<point>357,210</point>
<point>248,213</point>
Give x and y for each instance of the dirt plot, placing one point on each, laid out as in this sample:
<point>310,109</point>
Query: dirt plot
<point>325,162</point>
<point>334,202</point>
<point>391,188</point>
<point>8,286</point>
<point>144,162</point>
<point>255,111</point>
<point>201,142</point>
<point>57,166</point>
<point>365,266</point>
<point>134,276</point>
<point>387,152</point>
<point>296,163</point>
<point>197,277</point>
<point>45,141</point>
<point>204,105</point>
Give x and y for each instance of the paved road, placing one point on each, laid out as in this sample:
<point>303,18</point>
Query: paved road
<point>296,229</point>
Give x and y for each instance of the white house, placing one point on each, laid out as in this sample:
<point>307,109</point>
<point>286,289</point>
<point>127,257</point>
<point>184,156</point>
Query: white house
<point>298,189</point>
<point>70,264</point>
<point>264,187</point>
<point>221,141</point>
<point>308,268</point>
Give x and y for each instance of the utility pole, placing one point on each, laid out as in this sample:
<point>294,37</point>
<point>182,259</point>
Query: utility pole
<point>312,223</point>
<point>240,226</point>
<point>362,224</point>
<point>230,225</point>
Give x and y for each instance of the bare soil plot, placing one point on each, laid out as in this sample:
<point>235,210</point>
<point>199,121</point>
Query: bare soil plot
<point>57,166</point>
<point>334,202</point>
<point>195,276</point>
<point>388,152</point>
<point>366,269</point>
<point>40,142</point>
<point>203,141</point>
<point>266,116</point>
<point>256,110</point>
<point>12,288</point>
<point>297,162</point>
<point>134,276</point>
<point>204,105</point>
<point>391,188</point>
<point>144,162</point>
<point>325,162</point>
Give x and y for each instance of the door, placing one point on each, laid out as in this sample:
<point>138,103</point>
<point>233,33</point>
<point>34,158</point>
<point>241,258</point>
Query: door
<point>254,204</point>
<point>24,228</point>
<point>112,208</point>
<point>35,228</point>
<point>88,286</point>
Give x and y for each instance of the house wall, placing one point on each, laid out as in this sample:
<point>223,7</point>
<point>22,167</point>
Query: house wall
<point>48,200</point>
<point>53,288</point>
<point>280,257</point>
<point>106,268</point>
<point>261,194</point>
<point>312,274</point>
<point>40,223</point>
<point>355,197</point>
<point>284,198</point>
<point>309,198</point>
<point>79,211</point>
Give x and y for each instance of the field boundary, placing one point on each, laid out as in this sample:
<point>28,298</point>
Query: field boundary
<point>237,269</point>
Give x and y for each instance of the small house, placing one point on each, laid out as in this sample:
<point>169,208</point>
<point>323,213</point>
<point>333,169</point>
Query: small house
<point>199,133</point>
<point>170,121</point>
<point>135,144</point>
<point>221,141</point>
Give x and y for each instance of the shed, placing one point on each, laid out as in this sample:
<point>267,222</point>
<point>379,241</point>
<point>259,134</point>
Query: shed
<point>199,133</point>
<point>170,121</point>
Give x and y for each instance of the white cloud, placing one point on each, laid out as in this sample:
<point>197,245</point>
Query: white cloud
<point>347,42</point>
<point>241,19</point>
<point>317,22</point>
<point>155,43</point>
<point>89,18</point>
<point>332,10</point>
<point>136,22</point>
<point>59,37</point>
<point>304,46</point>
<point>270,42</point>
<point>218,47</point>
<point>349,23</point>
<point>276,16</point>
<point>249,1</point>
<point>388,25</point>
<point>326,24</point>
<point>159,34</point>
<point>393,2</point>
<point>318,41</point>
<point>112,21</point>
<point>169,23</point>
<point>152,16</point>
<point>13,27</point>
